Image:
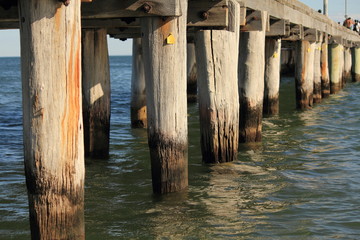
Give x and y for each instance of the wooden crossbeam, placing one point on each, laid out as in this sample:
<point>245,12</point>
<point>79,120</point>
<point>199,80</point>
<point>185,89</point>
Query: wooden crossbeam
<point>9,25</point>
<point>205,13</point>
<point>254,21</point>
<point>311,35</point>
<point>124,13</point>
<point>111,23</point>
<point>130,8</point>
<point>123,33</point>
<point>336,40</point>
<point>278,27</point>
<point>296,33</point>
<point>348,43</point>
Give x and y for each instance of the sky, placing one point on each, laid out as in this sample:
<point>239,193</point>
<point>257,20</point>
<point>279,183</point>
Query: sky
<point>10,40</point>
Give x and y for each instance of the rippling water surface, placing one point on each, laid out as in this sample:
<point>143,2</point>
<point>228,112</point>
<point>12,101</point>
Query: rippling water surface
<point>301,182</point>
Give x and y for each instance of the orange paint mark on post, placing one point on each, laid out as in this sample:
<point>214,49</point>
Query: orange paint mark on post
<point>71,118</point>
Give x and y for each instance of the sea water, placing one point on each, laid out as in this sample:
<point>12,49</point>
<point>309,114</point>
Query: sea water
<point>301,182</point>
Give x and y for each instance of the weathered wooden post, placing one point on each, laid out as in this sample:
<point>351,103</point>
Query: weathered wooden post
<point>304,74</point>
<point>165,65</point>
<point>138,94</point>
<point>342,69</point>
<point>272,75</point>
<point>251,82</point>
<point>356,64</point>
<point>347,65</point>
<point>52,117</point>
<point>96,93</point>
<point>325,80</point>
<point>335,67</point>
<point>218,89</point>
<point>317,73</point>
<point>191,72</point>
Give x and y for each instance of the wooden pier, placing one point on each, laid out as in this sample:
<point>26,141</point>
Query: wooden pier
<point>231,47</point>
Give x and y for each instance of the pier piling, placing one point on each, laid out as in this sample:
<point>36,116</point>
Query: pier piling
<point>96,93</point>
<point>251,82</point>
<point>325,80</point>
<point>52,118</point>
<point>304,74</point>
<point>317,73</point>
<point>347,65</point>
<point>138,92</point>
<point>272,76</point>
<point>356,64</point>
<point>218,89</point>
<point>335,67</point>
<point>165,65</point>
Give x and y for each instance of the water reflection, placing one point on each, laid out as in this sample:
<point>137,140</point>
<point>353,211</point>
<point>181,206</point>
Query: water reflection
<point>301,182</point>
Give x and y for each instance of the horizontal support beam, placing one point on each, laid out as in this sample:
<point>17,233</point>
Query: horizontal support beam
<point>9,25</point>
<point>111,23</point>
<point>130,8</point>
<point>125,13</point>
<point>296,33</point>
<point>348,43</point>
<point>254,21</point>
<point>311,35</point>
<point>279,27</point>
<point>205,13</point>
<point>102,9</point>
<point>123,33</point>
<point>336,40</point>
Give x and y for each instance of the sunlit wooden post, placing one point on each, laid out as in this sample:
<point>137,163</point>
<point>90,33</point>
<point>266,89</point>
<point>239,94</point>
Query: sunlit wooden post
<point>325,80</point>
<point>52,117</point>
<point>251,82</point>
<point>347,65</point>
<point>138,94</point>
<point>218,89</point>
<point>272,75</point>
<point>304,74</point>
<point>335,67</point>
<point>165,65</point>
<point>96,93</point>
<point>356,64</point>
<point>317,73</point>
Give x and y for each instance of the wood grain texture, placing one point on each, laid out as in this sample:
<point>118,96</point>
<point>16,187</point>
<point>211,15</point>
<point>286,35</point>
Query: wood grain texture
<point>356,64</point>
<point>218,90</point>
<point>138,93</point>
<point>325,80</point>
<point>272,76</point>
<point>304,74</point>
<point>317,73</point>
<point>52,118</point>
<point>347,65</point>
<point>165,65</point>
<point>251,83</point>
<point>96,93</point>
<point>130,8</point>
<point>335,67</point>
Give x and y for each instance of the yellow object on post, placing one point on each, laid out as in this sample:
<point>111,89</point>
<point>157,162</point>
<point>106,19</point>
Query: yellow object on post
<point>170,39</point>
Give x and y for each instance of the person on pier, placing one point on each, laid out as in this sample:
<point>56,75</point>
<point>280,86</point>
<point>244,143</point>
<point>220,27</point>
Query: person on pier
<point>348,23</point>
